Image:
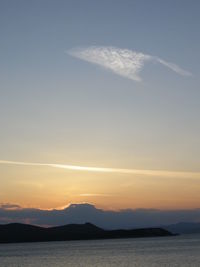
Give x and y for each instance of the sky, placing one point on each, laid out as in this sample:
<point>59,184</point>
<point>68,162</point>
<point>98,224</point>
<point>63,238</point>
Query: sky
<point>99,103</point>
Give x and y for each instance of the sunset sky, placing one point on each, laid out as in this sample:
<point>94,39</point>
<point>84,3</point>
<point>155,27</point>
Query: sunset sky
<point>100,103</point>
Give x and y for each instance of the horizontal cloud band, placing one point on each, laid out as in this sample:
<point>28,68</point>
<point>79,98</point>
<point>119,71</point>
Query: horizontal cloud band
<point>123,62</point>
<point>108,219</point>
<point>155,173</point>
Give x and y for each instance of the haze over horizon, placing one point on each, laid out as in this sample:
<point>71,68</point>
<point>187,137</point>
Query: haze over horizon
<point>107,219</point>
<point>100,103</point>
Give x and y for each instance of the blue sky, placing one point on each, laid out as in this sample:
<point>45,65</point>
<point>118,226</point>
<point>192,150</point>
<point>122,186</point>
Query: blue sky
<point>57,108</point>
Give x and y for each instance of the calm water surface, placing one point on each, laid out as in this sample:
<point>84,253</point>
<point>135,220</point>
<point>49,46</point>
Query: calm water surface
<point>169,251</point>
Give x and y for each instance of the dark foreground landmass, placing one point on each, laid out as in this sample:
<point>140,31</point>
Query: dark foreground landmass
<point>16,232</point>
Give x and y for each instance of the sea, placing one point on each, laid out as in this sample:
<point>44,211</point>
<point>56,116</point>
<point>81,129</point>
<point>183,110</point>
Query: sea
<point>183,250</point>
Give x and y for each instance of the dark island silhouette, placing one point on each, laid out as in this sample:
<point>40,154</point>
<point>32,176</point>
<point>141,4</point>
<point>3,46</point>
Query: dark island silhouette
<point>17,232</point>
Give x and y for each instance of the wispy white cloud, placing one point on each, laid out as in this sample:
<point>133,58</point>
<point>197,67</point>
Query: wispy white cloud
<point>123,62</point>
<point>152,173</point>
<point>174,67</point>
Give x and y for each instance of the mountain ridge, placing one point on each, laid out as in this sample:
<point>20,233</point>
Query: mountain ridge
<point>17,232</point>
<point>106,219</point>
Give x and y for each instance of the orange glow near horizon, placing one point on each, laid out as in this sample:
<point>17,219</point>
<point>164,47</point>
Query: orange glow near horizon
<point>55,188</point>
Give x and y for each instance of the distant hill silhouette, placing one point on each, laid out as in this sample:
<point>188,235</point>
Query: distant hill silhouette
<point>184,228</point>
<point>16,232</point>
<point>106,219</point>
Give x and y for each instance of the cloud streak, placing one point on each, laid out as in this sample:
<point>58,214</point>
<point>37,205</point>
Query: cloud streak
<point>94,195</point>
<point>9,206</point>
<point>124,62</point>
<point>152,173</point>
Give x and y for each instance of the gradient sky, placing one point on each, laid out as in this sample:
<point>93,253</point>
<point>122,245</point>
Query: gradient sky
<point>58,106</point>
